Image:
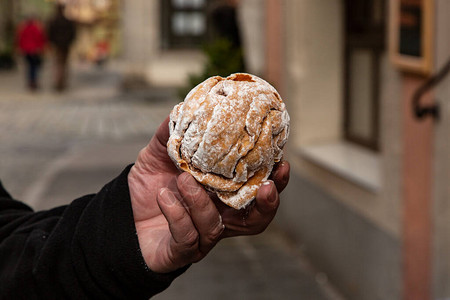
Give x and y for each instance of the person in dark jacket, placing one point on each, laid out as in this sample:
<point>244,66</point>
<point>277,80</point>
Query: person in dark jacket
<point>31,41</point>
<point>128,241</point>
<point>61,33</point>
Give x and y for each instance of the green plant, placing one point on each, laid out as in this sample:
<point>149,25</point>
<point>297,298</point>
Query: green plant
<point>223,59</point>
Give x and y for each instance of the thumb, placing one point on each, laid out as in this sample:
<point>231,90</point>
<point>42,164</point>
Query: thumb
<point>155,153</point>
<point>161,136</point>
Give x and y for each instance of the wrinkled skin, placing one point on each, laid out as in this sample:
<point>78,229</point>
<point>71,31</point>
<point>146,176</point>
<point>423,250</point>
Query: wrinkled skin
<point>177,221</point>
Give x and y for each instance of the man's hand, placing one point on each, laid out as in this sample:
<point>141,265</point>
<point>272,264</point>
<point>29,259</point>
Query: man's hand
<point>177,221</point>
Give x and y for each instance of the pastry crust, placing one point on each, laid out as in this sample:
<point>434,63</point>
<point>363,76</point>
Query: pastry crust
<point>228,133</point>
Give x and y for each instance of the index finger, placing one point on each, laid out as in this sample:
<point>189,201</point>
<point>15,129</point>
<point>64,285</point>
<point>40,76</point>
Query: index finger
<point>266,203</point>
<point>204,214</point>
<point>280,175</point>
<point>255,218</point>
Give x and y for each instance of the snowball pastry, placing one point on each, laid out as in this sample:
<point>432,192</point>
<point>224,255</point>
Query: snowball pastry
<point>228,133</point>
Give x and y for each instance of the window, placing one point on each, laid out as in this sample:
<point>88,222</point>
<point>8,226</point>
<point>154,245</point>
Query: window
<point>364,45</point>
<point>183,23</point>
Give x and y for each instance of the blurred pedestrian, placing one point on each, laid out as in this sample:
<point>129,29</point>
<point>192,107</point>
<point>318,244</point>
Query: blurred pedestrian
<point>31,41</point>
<point>102,49</point>
<point>61,34</point>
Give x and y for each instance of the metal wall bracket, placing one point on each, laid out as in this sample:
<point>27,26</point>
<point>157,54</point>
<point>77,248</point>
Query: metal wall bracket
<point>422,111</point>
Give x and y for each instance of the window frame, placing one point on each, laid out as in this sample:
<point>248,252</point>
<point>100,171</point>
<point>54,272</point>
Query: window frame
<point>371,38</point>
<point>171,41</point>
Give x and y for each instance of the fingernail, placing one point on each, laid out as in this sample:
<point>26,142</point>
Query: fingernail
<point>271,197</point>
<point>286,173</point>
<point>221,225</point>
<point>167,197</point>
<point>267,182</point>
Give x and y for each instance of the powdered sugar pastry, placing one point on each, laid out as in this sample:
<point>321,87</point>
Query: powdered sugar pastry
<point>228,133</point>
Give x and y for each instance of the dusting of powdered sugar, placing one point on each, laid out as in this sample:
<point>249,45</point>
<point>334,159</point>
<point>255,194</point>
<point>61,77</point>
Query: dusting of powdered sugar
<point>237,200</point>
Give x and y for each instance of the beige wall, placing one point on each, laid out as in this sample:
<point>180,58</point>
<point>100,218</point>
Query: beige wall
<point>251,18</point>
<point>142,52</point>
<point>140,32</point>
<point>314,67</point>
<point>389,198</point>
<point>172,68</point>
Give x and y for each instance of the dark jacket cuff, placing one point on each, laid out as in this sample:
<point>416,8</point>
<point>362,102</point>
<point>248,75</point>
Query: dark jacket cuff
<point>121,250</point>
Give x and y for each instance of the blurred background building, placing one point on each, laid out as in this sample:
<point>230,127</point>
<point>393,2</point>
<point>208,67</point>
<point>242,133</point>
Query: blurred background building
<point>369,195</point>
<point>371,177</point>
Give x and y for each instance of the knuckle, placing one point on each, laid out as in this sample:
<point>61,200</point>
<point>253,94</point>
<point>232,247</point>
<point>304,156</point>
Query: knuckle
<point>191,240</point>
<point>143,153</point>
<point>214,234</point>
<point>179,220</point>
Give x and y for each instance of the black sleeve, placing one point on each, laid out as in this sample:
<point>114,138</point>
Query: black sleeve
<point>86,250</point>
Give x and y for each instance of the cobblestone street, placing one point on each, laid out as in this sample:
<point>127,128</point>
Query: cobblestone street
<point>56,147</point>
<point>37,128</point>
